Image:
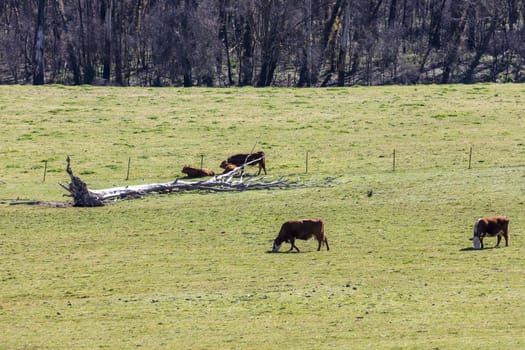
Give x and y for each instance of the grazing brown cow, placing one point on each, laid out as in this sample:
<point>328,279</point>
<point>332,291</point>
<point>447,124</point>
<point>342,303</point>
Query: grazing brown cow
<point>491,226</point>
<point>240,159</point>
<point>228,167</point>
<point>300,229</point>
<point>197,172</point>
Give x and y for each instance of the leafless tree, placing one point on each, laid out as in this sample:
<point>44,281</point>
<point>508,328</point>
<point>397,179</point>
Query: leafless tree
<point>261,42</point>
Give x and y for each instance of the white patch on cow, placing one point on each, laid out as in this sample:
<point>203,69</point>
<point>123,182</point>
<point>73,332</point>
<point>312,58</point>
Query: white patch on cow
<point>476,242</point>
<point>276,248</point>
<point>475,239</point>
<point>476,227</point>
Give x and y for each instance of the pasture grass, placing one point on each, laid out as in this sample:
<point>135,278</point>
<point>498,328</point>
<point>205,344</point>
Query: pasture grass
<point>192,271</point>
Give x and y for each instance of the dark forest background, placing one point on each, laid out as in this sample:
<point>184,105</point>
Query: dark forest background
<point>261,42</point>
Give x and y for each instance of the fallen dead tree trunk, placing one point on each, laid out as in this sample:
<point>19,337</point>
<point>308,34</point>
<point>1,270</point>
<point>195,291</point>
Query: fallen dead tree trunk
<point>83,197</point>
<point>185,186</point>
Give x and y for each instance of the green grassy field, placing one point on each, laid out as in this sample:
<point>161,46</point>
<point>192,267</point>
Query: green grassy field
<point>191,271</point>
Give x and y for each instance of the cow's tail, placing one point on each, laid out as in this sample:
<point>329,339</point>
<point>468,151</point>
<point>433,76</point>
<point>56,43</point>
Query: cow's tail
<point>506,229</point>
<point>262,162</point>
<point>325,240</point>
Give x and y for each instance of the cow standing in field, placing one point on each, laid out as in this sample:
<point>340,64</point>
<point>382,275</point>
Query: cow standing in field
<point>300,229</point>
<point>241,159</point>
<point>491,226</point>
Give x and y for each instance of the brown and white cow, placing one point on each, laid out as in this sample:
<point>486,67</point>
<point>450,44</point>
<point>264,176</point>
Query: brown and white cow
<point>300,229</point>
<point>258,158</point>
<point>197,172</point>
<point>489,227</point>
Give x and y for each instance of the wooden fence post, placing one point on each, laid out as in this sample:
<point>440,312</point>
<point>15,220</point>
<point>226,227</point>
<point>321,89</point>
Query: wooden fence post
<point>394,160</point>
<point>470,158</point>
<point>307,162</point>
<point>129,165</point>
<point>45,171</point>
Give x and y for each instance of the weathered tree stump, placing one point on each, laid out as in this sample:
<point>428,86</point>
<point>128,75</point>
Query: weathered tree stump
<point>82,197</point>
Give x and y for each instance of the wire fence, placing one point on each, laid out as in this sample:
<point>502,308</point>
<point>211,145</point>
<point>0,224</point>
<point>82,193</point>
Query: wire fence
<point>393,161</point>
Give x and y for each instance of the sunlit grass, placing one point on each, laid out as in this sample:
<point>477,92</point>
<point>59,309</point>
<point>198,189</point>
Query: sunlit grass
<point>192,270</point>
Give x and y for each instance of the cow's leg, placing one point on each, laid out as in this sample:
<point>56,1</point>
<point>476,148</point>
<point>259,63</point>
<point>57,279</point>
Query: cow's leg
<point>321,241</point>
<point>481,241</point>
<point>499,240</point>
<point>292,244</point>
<point>292,241</point>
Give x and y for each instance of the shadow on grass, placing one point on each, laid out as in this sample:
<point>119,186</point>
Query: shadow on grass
<point>468,249</point>
<point>471,249</point>
<point>283,252</point>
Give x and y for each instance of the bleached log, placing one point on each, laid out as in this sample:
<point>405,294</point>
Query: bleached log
<point>211,185</point>
<point>218,183</point>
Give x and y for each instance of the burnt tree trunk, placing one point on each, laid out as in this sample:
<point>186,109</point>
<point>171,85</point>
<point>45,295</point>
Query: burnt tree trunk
<point>107,9</point>
<point>345,40</point>
<point>272,28</point>
<point>38,75</point>
<point>224,37</point>
<point>246,59</point>
<point>458,22</point>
